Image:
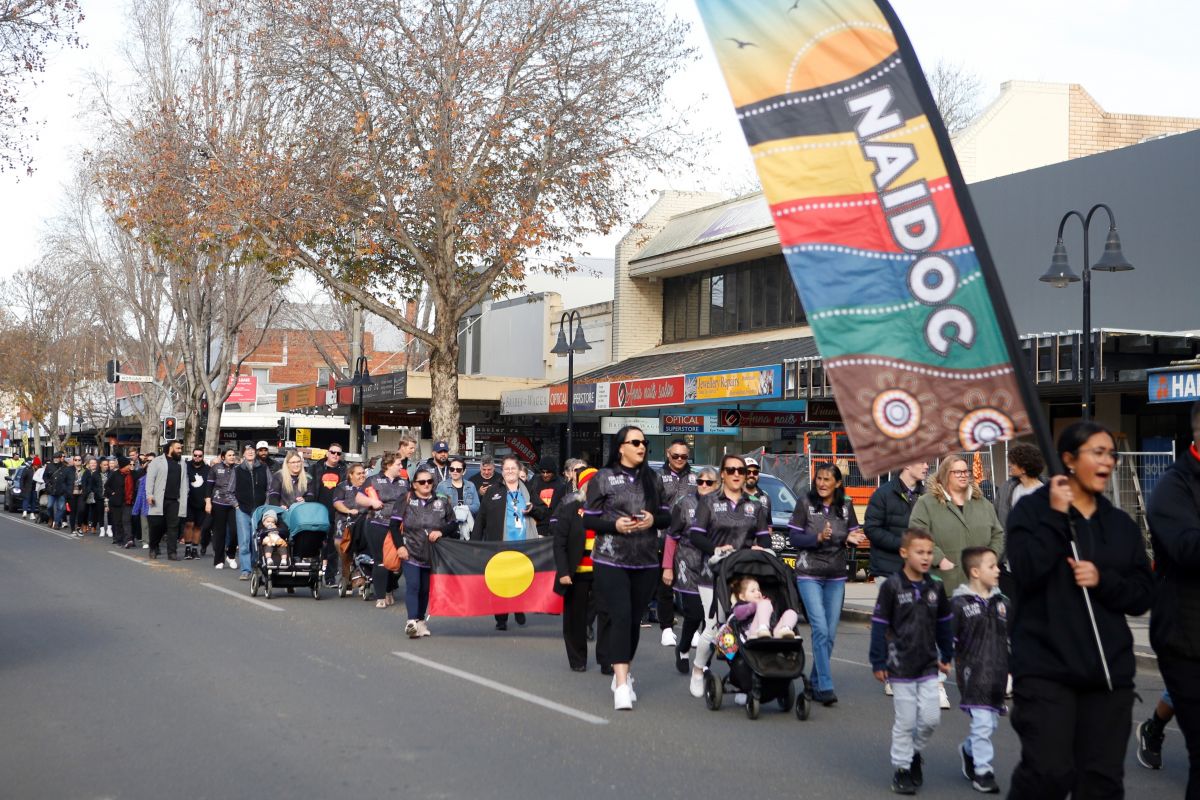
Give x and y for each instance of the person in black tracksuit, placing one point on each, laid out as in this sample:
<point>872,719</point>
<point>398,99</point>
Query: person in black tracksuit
<point>1073,729</point>
<point>573,578</point>
<point>683,564</point>
<point>1174,516</point>
<point>380,494</point>
<point>546,491</point>
<point>417,523</point>
<point>678,479</point>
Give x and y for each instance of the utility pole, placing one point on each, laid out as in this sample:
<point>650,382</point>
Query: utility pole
<point>356,351</point>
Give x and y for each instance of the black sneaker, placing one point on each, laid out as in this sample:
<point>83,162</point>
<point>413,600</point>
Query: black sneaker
<point>985,783</point>
<point>968,763</point>
<point>902,782</point>
<point>918,775</point>
<point>502,626</point>
<point>520,618</point>
<point>1149,750</point>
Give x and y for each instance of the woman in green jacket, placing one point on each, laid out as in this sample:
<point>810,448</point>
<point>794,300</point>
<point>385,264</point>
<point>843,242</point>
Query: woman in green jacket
<point>955,511</point>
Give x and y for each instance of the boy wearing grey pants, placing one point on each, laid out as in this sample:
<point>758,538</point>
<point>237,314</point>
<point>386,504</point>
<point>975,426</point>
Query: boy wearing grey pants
<point>910,625</point>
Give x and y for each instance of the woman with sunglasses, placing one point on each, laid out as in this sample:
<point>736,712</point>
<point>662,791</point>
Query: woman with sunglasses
<point>725,521</point>
<point>460,493</point>
<point>1074,729</point>
<point>682,562</point>
<point>819,530</point>
<point>625,509</point>
<point>380,493</point>
<point>417,522</point>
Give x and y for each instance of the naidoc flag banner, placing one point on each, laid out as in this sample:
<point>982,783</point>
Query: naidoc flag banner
<point>876,225</point>
<point>472,579</point>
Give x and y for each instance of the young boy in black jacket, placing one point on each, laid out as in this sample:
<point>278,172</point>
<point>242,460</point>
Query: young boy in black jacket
<point>910,625</point>
<point>981,661</point>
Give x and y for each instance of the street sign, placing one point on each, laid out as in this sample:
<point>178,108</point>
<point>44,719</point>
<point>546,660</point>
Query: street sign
<point>136,378</point>
<point>303,437</point>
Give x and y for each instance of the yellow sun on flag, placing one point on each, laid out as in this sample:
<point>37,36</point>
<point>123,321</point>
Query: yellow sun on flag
<point>508,573</point>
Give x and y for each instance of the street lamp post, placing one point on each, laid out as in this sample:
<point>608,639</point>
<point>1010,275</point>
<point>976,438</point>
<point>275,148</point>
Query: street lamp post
<point>570,321</point>
<point>1060,274</point>
<point>362,377</point>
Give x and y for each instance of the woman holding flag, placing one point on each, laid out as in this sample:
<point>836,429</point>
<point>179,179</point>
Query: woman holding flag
<point>417,522</point>
<point>624,508</point>
<point>380,493</point>
<point>1073,695</point>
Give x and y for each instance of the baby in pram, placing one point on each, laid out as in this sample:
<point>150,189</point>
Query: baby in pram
<point>752,612</point>
<point>272,540</point>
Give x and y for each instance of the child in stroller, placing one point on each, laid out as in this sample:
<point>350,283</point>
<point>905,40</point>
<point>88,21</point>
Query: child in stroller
<point>753,611</point>
<point>763,662</point>
<point>272,540</point>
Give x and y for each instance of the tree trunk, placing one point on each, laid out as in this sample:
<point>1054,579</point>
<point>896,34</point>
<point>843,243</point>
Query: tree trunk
<point>191,428</point>
<point>150,436</point>
<point>212,433</point>
<point>443,377</point>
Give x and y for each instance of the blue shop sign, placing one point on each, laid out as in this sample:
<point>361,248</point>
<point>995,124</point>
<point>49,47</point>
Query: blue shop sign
<point>1178,386</point>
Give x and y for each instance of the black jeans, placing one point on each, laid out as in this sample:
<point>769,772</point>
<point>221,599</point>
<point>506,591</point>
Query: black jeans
<point>167,523</point>
<point>382,580</point>
<point>119,518</point>
<point>693,618</point>
<point>576,603</point>
<point>664,604</point>
<point>1182,676</point>
<point>224,532</point>
<point>1072,742</point>
<point>623,595</point>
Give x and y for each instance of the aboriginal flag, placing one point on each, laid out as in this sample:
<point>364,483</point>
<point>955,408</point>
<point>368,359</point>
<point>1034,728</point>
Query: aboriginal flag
<point>474,579</point>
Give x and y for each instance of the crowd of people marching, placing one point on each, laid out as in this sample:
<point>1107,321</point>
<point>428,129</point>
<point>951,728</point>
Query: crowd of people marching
<point>1025,597</point>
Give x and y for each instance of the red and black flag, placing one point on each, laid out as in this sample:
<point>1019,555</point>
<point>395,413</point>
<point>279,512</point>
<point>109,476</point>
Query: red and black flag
<point>474,579</point>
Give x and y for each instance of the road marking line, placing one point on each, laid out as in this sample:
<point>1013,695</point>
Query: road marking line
<point>240,596</point>
<point>144,562</point>
<point>848,661</point>
<point>37,526</point>
<point>504,689</point>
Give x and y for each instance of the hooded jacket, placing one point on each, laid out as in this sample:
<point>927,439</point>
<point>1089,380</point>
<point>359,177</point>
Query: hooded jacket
<point>1174,516</point>
<point>980,648</point>
<point>1051,634</point>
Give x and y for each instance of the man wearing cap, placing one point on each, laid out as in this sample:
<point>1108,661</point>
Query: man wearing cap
<point>546,490</point>
<point>752,491</point>
<point>486,478</point>
<point>439,463</point>
<point>262,452</point>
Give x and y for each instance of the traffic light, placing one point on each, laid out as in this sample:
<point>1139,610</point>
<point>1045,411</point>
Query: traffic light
<point>114,371</point>
<point>169,429</point>
<point>204,409</point>
<point>281,429</point>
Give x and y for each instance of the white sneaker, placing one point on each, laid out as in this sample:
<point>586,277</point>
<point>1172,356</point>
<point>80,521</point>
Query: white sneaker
<point>763,632</point>
<point>422,628</point>
<point>887,688</point>
<point>669,639</point>
<point>739,699</point>
<point>943,698</point>
<point>230,563</point>
<point>146,546</point>
<point>1008,689</point>
<point>623,698</point>
<point>628,683</point>
<point>695,640</point>
<point>219,566</point>
<point>108,531</point>
<point>410,628</point>
<point>696,684</point>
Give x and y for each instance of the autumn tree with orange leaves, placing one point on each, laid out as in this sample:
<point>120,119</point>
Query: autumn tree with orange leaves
<point>441,147</point>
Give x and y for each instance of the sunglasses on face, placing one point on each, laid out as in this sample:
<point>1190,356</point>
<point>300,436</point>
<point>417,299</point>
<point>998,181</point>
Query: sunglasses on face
<point>751,471</point>
<point>735,470</point>
<point>677,456</point>
<point>457,469</point>
<point>703,482</point>
<point>636,442</point>
<point>424,482</point>
<point>335,452</point>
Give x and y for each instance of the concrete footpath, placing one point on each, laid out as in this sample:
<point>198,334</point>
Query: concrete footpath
<point>860,601</point>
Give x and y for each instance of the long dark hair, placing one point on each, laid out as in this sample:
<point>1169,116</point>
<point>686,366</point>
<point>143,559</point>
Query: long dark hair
<point>838,502</point>
<point>643,472</point>
<point>1076,435</point>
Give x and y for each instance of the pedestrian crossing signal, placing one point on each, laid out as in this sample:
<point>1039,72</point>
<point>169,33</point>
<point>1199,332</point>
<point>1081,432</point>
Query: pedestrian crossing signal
<point>169,429</point>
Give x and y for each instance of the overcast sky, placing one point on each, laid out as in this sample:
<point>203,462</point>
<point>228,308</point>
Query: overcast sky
<point>1130,59</point>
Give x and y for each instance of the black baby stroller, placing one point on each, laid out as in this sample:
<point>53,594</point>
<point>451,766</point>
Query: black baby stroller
<point>306,525</point>
<point>762,669</point>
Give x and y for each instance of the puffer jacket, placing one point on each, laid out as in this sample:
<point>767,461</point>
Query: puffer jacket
<point>886,521</point>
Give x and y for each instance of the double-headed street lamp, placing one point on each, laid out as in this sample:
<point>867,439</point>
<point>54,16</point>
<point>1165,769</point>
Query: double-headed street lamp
<point>1060,274</point>
<point>572,321</point>
<point>361,378</point>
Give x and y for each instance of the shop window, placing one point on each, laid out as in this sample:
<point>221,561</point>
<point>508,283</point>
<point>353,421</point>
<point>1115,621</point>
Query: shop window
<point>754,295</point>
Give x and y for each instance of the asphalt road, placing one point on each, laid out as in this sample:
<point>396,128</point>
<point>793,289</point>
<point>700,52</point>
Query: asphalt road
<point>125,679</point>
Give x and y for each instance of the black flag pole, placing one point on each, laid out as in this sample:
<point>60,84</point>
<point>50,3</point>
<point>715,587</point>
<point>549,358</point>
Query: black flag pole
<point>1008,330</point>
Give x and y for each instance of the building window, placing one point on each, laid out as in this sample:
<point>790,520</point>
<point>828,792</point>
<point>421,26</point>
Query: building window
<point>322,376</point>
<point>755,295</point>
<point>263,374</point>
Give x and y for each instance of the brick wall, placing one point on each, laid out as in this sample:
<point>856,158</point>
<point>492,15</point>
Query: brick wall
<point>294,358</point>
<point>1094,130</point>
<point>637,302</point>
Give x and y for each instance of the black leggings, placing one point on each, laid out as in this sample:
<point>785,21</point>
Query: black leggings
<point>224,532</point>
<point>693,618</point>
<point>623,594</point>
<point>382,580</point>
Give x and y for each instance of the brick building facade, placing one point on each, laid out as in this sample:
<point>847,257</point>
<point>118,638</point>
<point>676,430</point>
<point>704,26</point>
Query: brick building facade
<point>290,357</point>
